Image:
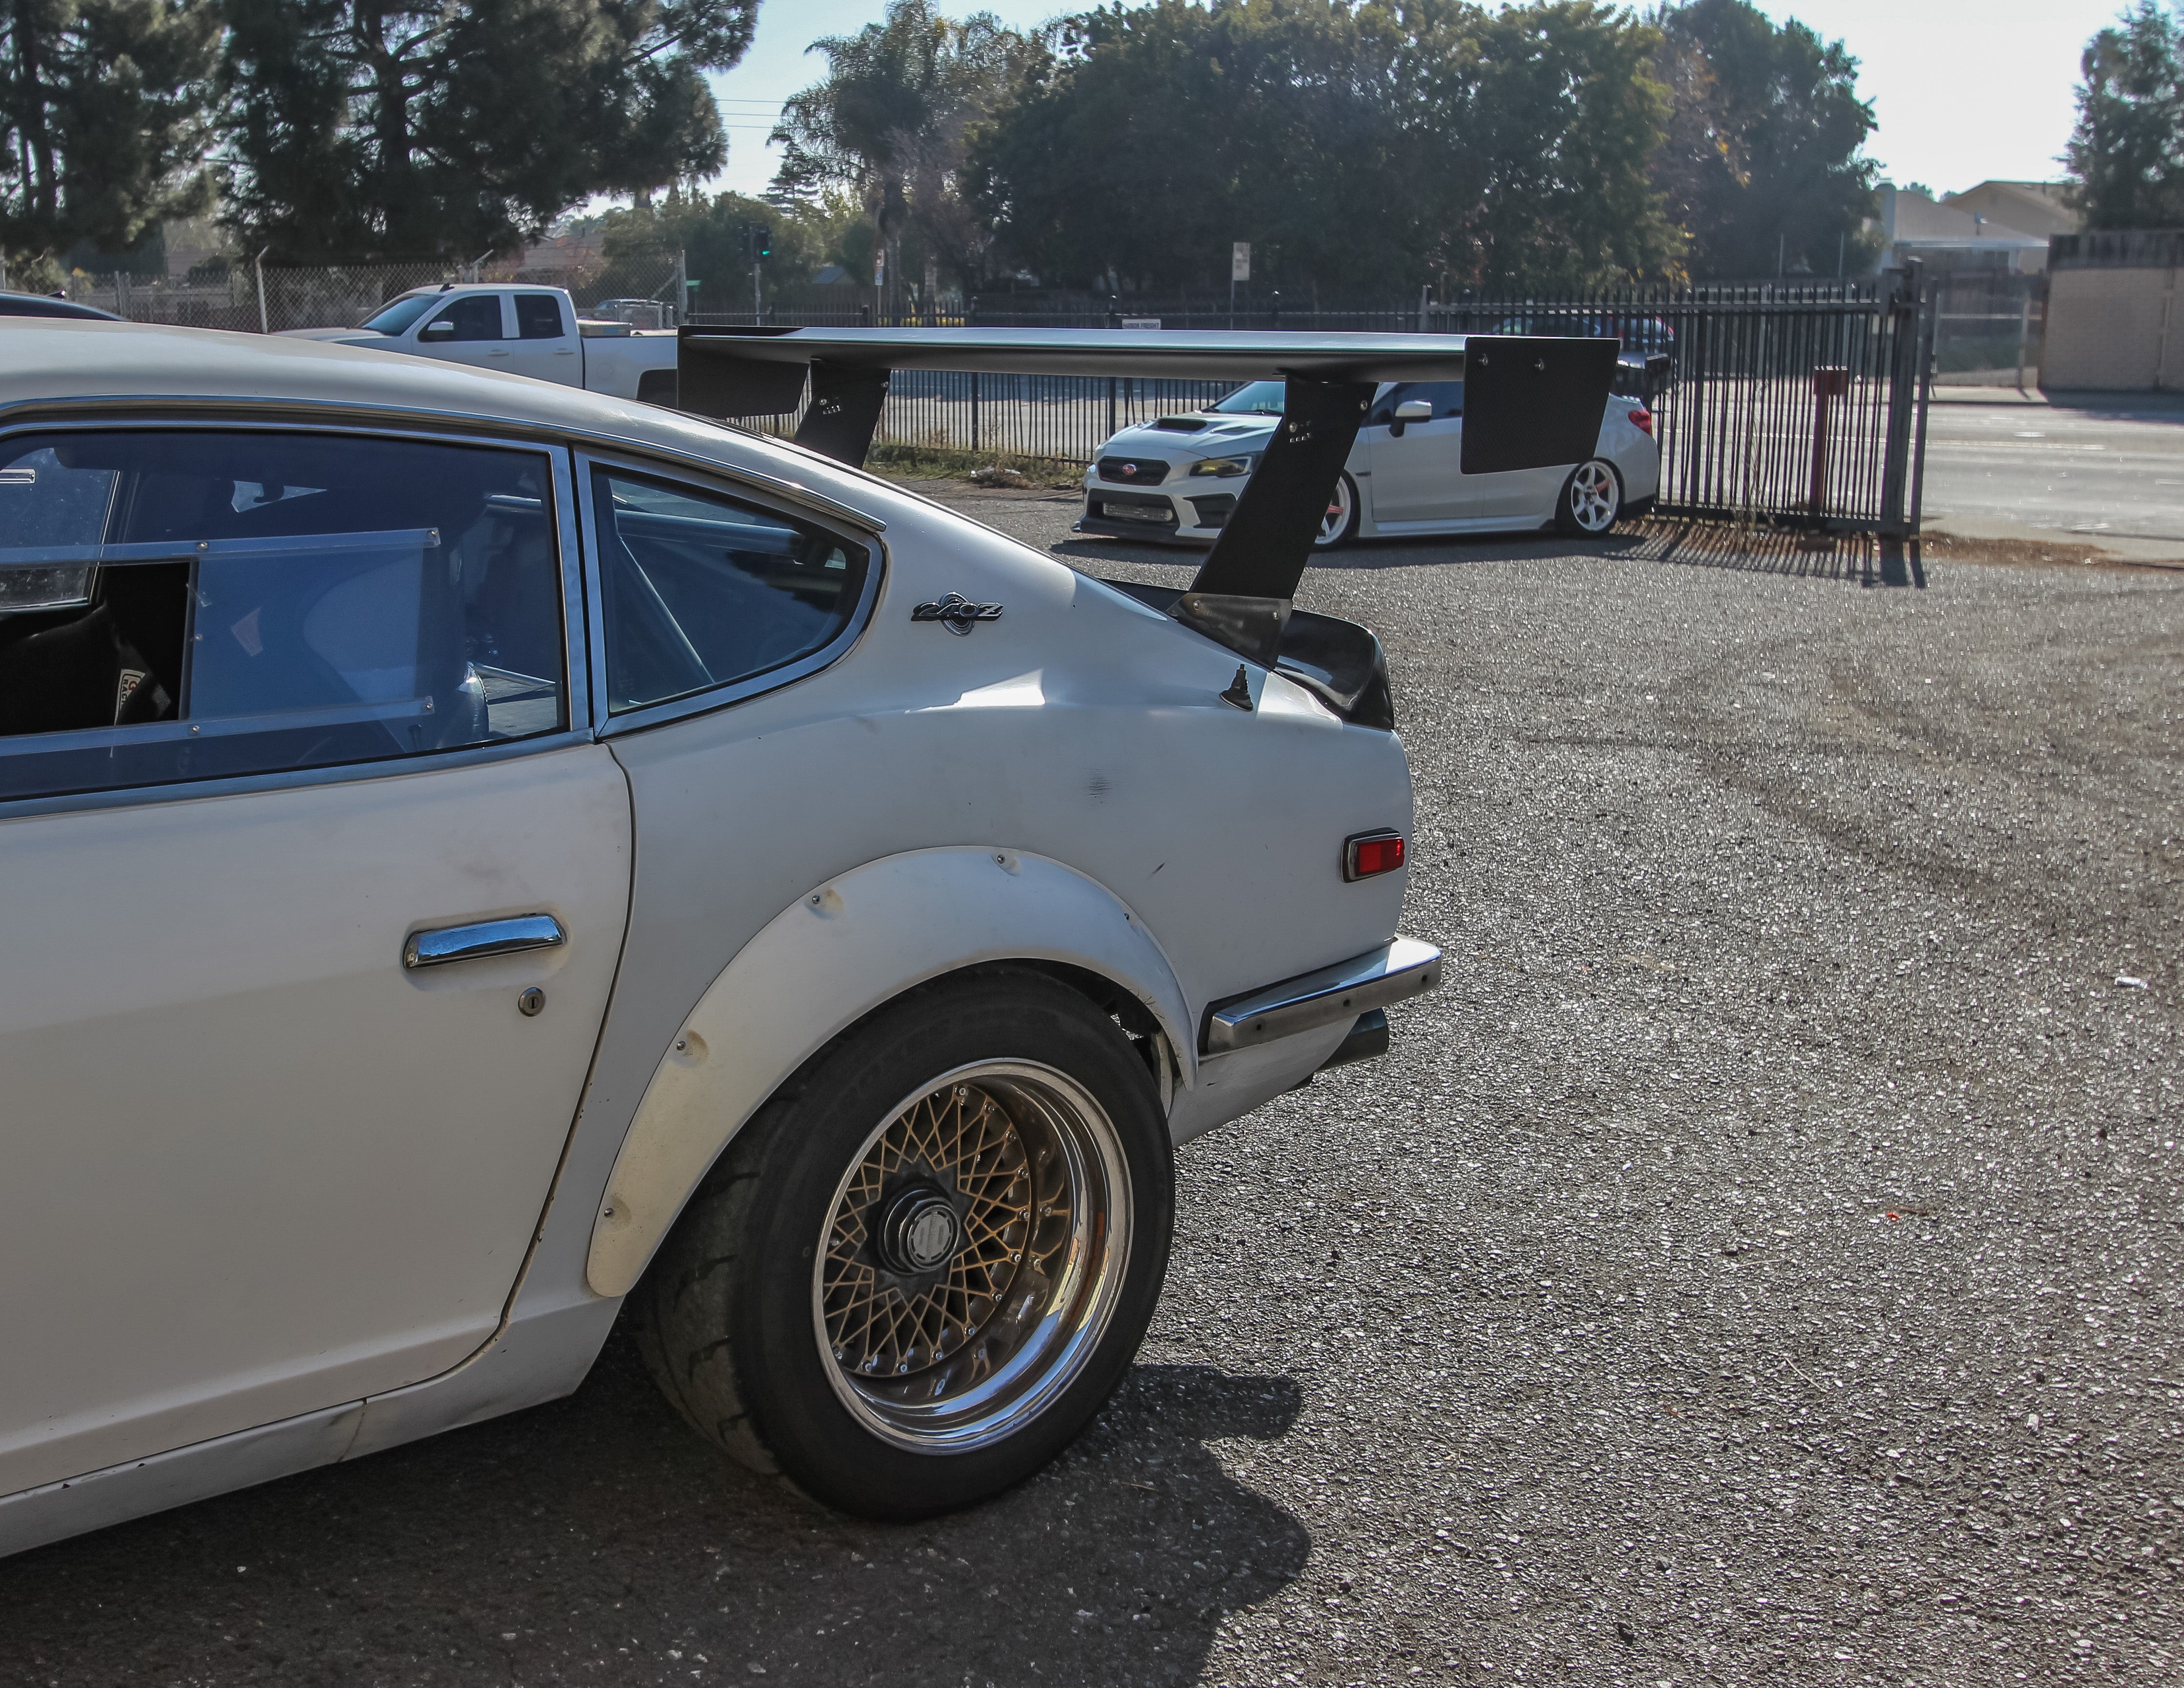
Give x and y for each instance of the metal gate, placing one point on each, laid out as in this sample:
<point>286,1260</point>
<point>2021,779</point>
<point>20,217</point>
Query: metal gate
<point>1799,404</point>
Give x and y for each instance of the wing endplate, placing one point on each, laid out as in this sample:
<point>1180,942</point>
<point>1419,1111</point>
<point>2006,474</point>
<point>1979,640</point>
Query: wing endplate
<point>1534,401</point>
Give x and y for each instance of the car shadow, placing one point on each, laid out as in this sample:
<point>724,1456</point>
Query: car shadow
<point>598,1539</point>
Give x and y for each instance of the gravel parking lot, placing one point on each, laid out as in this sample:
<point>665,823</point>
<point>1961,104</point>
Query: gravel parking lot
<point>1759,1262</point>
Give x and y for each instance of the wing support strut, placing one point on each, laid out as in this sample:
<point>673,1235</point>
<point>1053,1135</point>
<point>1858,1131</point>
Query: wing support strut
<point>1241,596</point>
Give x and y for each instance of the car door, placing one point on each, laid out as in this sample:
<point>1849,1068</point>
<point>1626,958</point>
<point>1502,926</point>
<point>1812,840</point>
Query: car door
<point>1416,472</point>
<point>545,344</point>
<point>313,901</point>
<point>470,328</point>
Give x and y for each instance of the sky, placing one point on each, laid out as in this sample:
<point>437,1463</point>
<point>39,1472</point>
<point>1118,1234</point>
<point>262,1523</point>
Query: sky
<point>1964,90</point>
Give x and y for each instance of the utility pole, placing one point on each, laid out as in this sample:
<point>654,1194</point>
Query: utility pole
<point>681,286</point>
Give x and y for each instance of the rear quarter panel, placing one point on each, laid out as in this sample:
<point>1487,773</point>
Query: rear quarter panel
<point>1080,726</point>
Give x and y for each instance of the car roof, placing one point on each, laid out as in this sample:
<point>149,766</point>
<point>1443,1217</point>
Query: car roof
<point>45,304</point>
<point>47,366</point>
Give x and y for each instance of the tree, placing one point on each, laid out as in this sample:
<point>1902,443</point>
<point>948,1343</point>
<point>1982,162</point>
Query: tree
<point>1761,164</point>
<point>2125,158</point>
<point>1558,104</point>
<point>1352,144</point>
<point>890,123</point>
<point>104,120</point>
<point>710,234</point>
<point>366,129</point>
<point>1141,143</point>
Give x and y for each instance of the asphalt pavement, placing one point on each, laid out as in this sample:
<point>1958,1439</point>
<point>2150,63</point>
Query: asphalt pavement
<point>2104,468</point>
<point>1760,1263</point>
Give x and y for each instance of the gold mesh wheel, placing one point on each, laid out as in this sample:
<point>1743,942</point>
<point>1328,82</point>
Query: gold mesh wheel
<point>972,1255</point>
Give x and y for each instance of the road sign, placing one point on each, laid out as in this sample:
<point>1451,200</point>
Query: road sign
<point>1240,262</point>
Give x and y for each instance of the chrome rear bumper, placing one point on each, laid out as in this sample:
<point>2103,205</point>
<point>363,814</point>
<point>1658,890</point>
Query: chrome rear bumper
<point>1403,968</point>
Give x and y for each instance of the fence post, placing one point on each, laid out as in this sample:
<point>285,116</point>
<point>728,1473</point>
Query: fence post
<point>259,263</point>
<point>1929,312</point>
<point>1904,326</point>
<point>1111,407</point>
<point>974,409</point>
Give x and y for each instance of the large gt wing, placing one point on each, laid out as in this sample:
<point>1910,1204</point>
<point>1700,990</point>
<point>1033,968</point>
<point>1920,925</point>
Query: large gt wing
<point>1531,402</point>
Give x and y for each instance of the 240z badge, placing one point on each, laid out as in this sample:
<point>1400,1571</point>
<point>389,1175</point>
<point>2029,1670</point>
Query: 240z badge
<point>956,613</point>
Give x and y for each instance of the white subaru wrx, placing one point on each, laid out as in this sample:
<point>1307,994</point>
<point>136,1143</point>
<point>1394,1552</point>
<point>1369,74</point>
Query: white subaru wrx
<point>1177,477</point>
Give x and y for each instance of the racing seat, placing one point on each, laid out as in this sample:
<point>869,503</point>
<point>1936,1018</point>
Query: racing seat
<point>117,664</point>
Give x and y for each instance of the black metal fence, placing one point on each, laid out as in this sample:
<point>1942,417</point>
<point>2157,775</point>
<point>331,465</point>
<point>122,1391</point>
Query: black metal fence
<point>1779,403</point>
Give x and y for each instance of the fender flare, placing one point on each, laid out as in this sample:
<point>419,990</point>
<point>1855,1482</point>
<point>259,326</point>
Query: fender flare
<point>822,964</point>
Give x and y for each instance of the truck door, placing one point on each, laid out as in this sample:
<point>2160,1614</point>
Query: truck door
<point>545,346</point>
<point>470,328</point>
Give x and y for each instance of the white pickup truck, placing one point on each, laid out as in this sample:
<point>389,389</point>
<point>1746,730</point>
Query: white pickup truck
<point>525,330</point>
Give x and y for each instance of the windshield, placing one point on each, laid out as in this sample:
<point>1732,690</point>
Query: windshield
<point>397,317</point>
<point>1257,399</point>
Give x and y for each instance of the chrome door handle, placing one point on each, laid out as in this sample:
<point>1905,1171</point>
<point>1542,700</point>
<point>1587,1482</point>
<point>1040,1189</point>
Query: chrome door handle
<point>444,944</point>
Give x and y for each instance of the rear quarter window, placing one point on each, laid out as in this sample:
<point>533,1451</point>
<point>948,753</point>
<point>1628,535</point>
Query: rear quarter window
<point>704,591</point>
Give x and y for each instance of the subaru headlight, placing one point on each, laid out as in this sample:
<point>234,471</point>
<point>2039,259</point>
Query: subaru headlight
<point>1224,468</point>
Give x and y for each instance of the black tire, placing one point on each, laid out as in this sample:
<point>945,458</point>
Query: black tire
<point>1345,497</point>
<point>1590,501</point>
<point>729,1317</point>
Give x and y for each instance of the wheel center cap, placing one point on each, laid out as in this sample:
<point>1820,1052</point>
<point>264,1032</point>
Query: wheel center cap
<point>919,1232</point>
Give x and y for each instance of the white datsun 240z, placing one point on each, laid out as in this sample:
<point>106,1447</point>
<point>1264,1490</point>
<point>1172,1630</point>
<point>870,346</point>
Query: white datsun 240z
<point>481,853</point>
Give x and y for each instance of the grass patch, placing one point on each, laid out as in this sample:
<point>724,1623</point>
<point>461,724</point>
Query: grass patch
<point>986,468</point>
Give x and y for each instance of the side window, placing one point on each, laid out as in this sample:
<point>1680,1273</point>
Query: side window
<point>538,317</point>
<point>703,591</point>
<point>476,316</point>
<point>185,604</point>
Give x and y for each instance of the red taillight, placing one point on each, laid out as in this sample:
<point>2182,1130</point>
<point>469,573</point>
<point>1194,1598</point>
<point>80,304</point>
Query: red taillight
<point>1642,420</point>
<point>1371,852</point>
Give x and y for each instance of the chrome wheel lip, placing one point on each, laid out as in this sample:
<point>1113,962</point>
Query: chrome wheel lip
<point>1052,1352</point>
<point>1337,519</point>
<point>1595,496</point>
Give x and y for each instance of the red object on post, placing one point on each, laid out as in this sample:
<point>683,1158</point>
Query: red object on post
<point>1829,381</point>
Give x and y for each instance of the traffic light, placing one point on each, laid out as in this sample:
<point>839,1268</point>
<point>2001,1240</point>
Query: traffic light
<point>757,240</point>
<point>765,242</point>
